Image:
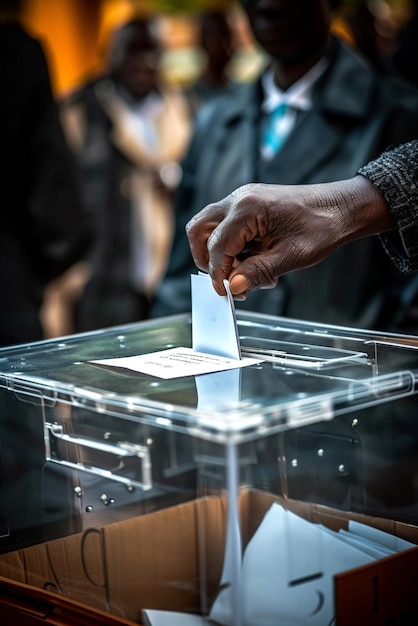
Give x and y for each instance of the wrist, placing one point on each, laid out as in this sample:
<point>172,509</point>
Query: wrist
<point>364,211</point>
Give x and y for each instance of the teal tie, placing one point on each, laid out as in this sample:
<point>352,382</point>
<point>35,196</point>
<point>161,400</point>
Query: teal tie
<point>275,132</point>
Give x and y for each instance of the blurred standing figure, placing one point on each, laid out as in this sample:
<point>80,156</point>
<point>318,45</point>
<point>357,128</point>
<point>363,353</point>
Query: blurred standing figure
<point>217,41</point>
<point>129,132</point>
<point>404,58</point>
<point>372,33</point>
<point>318,112</point>
<point>44,229</point>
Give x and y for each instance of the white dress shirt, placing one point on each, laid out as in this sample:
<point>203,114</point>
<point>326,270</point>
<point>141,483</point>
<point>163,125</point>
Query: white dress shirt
<point>298,97</point>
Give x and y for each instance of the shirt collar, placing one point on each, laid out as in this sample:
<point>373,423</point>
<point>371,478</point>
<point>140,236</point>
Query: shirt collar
<point>298,96</point>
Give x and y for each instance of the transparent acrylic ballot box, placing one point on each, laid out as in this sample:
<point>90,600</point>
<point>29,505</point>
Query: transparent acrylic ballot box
<point>231,495</point>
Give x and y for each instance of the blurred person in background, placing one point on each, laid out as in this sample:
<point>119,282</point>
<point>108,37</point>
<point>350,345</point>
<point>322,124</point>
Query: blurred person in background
<point>128,131</point>
<point>317,113</point>
<point>216,39</point>
<point>372,31</point>
<point>44,227</point>
<point>405,54</point>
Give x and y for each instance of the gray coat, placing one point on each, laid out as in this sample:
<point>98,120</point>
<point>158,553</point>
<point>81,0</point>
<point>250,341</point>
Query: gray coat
<point>356,115</point>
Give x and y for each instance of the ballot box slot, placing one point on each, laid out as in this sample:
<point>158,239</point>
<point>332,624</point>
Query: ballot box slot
<point>302,355</point>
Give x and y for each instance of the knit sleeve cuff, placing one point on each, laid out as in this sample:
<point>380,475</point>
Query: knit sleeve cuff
<point>395,175</point>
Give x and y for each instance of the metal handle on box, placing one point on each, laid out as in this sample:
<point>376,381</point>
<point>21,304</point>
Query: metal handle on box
<point>121,449</point>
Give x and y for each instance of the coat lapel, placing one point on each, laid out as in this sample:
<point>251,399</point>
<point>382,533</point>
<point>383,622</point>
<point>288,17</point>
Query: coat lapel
<point>229,157</point>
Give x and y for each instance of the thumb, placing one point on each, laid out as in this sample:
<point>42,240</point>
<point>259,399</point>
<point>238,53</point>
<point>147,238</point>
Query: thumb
<point>253,273</point>
<point>239,284</point>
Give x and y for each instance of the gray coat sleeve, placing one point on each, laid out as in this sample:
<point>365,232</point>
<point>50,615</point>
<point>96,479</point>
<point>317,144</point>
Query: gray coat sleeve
<point>395,175</point>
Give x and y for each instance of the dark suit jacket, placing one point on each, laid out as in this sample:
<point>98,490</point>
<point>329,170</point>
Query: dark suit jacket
<point>44,229</point>
<point>356,115</point>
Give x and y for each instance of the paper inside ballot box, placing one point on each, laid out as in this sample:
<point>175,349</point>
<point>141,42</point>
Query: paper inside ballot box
<point>172,559</point>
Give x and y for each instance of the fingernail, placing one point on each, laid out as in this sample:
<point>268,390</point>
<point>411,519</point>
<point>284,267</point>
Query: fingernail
<point>238,284</point>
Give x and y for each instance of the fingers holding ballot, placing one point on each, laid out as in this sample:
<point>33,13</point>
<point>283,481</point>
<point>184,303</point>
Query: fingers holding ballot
<point>231,239</point>
<point>261,231</point>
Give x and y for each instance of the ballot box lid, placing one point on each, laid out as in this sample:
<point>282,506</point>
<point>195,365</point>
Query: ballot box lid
<point>304,373</point>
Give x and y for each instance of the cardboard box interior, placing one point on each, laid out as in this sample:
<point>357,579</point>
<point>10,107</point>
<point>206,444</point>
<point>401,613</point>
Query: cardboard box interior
<point>171,559</point>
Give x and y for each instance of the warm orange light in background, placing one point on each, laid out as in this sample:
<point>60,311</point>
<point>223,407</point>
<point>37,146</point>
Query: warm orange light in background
<point>68,30</point>
<point>75,33</point>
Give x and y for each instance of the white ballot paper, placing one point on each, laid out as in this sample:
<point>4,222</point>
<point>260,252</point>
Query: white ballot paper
<point>215,340</point>
<point>153,617</point>
<point>289,566</point>
<point>175,363</point>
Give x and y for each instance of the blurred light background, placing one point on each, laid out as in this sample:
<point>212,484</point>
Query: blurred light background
<point>74,33</point>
